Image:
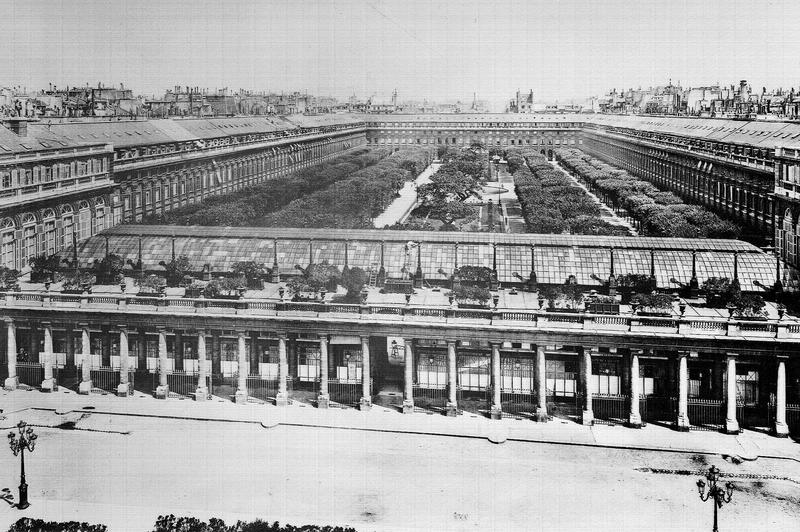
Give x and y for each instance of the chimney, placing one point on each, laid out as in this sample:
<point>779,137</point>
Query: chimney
<point>17,125</point>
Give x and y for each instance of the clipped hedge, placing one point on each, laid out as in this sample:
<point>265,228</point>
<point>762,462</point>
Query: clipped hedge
<point>659,213</point>
<point>26,524</point>
<point>172,523</point>
<point>551,202</point>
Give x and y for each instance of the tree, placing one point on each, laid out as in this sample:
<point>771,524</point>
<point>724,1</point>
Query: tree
<point>9,279</point>
<point>44,267</point>
<point>449,211</point>
<point>109,269</point>
<point>176,269</point>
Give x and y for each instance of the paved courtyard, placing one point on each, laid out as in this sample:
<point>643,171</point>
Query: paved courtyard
<point>126,470</point>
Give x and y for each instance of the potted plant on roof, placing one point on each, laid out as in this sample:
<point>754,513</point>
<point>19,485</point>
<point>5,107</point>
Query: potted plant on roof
<point>316,277</point>
<point>194,289</point>
<point>719,291</point>
<point>254,273</point>
<point>108,270</point>
<point>224,288</point>
<point>601,304</point>
<point>474,275</point>
<point>653,304</point>
<point>9,280</point>
<point>77,282</point>
<point>563,298</point>
<point>176,269</point>
<point>151,285</point>
<point>471,296</point>
<point>749,307</point>
<point>44,268</point>
<point>633,283</point>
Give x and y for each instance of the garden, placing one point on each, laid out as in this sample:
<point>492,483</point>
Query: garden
<point>655,212</point>
<point>345,192</point>
<point>448,201</point>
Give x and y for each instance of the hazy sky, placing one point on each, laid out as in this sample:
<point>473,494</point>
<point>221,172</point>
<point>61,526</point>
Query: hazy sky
<point>435,49</point>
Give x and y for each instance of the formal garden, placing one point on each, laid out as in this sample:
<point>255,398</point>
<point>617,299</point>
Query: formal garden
<point>345,192</point>
<point>172,523</point>
<point>449,202</point>
<point>551,202</point>
<point>655,212</point>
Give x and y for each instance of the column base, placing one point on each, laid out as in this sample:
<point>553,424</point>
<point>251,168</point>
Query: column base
<point>240,397</point>
<point>634,421</point>
<point>85,387</point>
<point>587,417</point>
<point>496,412</point>
<point>731,426</point>
<point>541,415</point>
<point>281,399</point>
<point>408,406</point>
<point>323,400</point>
<point>781,430</point>
<point>451,409</point>
<point>49,385</point>
<point>123,389</point>
<point>201,394</point>
<point>682,423</point>
<point>365,404</point>
<point>11,384</point>
<point>162,391</point>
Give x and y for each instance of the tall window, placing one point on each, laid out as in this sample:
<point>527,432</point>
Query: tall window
<point>7,243</point>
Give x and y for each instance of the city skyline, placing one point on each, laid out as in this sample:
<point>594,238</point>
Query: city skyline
<point>564,51</point>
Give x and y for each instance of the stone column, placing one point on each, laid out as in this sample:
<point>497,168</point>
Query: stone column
<point>282,399</point>
<point>682,421</point>
<point>366,378</point>
<point>324,397</point>
<point>731,424</point>
<point>586,366</point>
<point>497,404</point>
<point>49,383</point>
<point>12,382</point>
<point>201,393</point>
<point>541,385</point>
<point>408,395</point>
<point>86,385</point>
<point>635,418</point>
<point>452,379</point>
<point>781,429</point>
<point>124,388</point>
<point>162,391</point>
<point>243,370</point>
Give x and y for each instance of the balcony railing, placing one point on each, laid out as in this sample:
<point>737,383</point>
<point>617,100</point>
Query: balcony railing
<point>702,327</point>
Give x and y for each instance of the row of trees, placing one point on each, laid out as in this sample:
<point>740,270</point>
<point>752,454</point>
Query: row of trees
<point>659,213</point>
<point>244,207</point>
<point>551,202</point>
<point>353,201</point>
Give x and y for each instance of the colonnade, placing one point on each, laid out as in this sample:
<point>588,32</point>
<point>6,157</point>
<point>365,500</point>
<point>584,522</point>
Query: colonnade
<point>539,390</point>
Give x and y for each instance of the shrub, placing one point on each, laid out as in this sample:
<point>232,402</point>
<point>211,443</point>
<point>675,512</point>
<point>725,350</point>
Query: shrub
<point>469,294</point>
<point>152,284</point>
<point>27,524</point>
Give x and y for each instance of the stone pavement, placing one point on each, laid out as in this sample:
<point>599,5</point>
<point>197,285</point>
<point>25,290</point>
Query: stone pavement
<point>66,406</point>
<point>400,208</point>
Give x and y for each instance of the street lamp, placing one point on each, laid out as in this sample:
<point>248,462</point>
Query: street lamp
<point>717,494</point>
<point>26,440</point>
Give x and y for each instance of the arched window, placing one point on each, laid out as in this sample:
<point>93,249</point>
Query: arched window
<point>7,243</point>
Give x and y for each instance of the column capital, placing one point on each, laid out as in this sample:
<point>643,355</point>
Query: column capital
<point>46,324</point>
<point>781,357</point>
<point>122,327</point>
<point>589,349</point>
<point>200,332</point>
<point>8,320</point>
<point>408,342</point>
<point>241,334</point>
<point>731,355</point>
<point>323,338</point>
<point>83,325</point>
<point>451,343</point>
<point>496,344</point>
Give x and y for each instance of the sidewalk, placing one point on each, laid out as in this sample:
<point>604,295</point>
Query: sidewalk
<point>66,406</point>
<point>400,208</point>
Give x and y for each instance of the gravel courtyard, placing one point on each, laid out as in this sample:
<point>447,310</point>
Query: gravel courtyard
<point>142,467</point>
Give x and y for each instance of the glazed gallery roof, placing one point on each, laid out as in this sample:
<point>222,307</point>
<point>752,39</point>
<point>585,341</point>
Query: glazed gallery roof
<point>555,257</point>
<point>57,133</point>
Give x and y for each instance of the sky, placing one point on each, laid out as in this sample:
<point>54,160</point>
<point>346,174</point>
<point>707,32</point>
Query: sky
<point>439,50</point>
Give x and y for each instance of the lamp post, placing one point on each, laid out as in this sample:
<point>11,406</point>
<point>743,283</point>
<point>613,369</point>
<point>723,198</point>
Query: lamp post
<point>26,440</point>
<point>718,494</point>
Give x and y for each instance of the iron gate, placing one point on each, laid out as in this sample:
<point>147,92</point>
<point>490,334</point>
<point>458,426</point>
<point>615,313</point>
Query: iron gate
<point>474,401</point>
<point>106,379</point>
<point>610,409</point>
<point>518,404</point>
<point>793,419</point>
<point>31,373</point>
<point>183,384</point>
<point>706,414</point>
<point>757,416</point>
<point>430,399</point>
<point>260,389</point>
<point>344,394</point>
<point>658,410</point>
<point>568,407</point>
